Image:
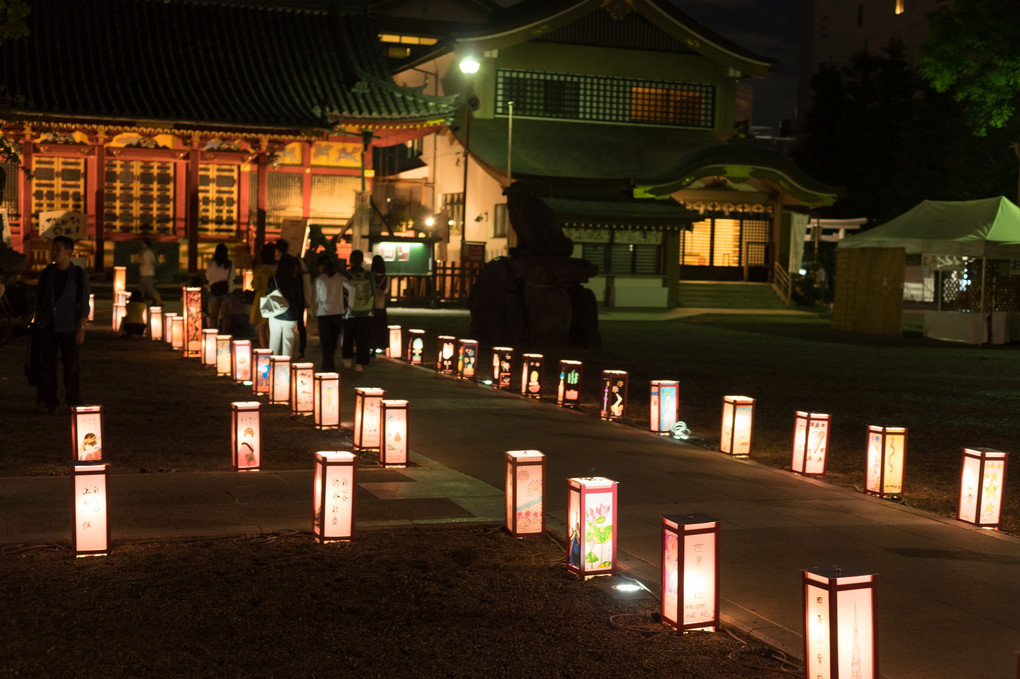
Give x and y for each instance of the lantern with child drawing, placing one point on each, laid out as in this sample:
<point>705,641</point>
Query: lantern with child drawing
<point>690,572</point>
<point>810,442</point>
<point>302,395</point>
<point>502,364</point>
<point>663,405</point>
<point>531,375</point>
<point>396,341</point>
<point>415,346</point>
<point>887,448</point>
<point>240,360</point>
<point>333,496</point>
<point>840,636</point>
<point>568,391</point>
<point>982,479</point>
<point>279,380</point>
<point>246,435</point>
<point>614,394</point>
<point>90,535</point>
<point>223,357</point>
<point>326,403</point>
<point>87,433</point>
<point>446,354</point>
<point>260,371</point>
<point>467,358</point>
<point>737,425</point>
<point>591,526</point>
<point>393,449</point>
<point>525,492</point>
<point>368,418</point>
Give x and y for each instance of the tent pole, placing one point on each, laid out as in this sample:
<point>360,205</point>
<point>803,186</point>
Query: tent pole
<point>985,322</point>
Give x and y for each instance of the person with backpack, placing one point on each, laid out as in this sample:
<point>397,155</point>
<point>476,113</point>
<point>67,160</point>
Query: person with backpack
<point>61,312</point>
<point>358,323</point>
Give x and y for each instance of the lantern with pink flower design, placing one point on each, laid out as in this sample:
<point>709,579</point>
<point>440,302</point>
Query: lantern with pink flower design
<point>591,526</point>
<point>525,492</point>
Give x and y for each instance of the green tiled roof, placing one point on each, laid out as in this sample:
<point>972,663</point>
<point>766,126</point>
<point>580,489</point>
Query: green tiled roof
<point>206,63</point>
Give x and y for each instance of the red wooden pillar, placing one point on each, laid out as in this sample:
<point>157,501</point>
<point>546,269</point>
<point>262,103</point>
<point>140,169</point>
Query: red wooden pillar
<point>306,183</point>
<point>261,203</point>
<point>99,204</point>
<point>191,216</point>
<point>25,197</point>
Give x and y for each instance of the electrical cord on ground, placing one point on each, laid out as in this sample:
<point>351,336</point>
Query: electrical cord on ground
<point>25,548</point>
<point>644,626</point>
<point>763,651</point>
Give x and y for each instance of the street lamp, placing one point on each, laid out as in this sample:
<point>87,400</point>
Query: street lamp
<point>469,65</point>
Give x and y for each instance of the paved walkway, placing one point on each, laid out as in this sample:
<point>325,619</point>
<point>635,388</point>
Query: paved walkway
<point>948,594</point>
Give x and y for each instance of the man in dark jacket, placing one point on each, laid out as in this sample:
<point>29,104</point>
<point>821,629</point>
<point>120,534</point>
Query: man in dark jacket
<point>61,312</point>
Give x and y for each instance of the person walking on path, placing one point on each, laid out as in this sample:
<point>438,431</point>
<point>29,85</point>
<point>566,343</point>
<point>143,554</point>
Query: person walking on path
<point>265,268</point>
<point>329,308</point>
<point>147,272</point>
<point>380,334</point>
<point>283,248</point>
<point>61,312</point>
<point>282,327</point>
<point>220,276</point>
<point>358,324</point>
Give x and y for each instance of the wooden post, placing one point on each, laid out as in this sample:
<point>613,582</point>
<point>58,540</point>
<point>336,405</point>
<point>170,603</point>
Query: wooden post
<point>100,206</point>
<point>191,216</point>
<point>261,202</point>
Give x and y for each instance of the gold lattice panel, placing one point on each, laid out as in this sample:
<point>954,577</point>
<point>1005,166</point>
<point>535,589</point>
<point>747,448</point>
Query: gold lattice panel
<point>139,193</point>
<point>58,184</point>
<point>217,199</point>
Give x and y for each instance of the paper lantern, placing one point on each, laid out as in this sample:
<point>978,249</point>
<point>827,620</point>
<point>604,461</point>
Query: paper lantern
<point>568,392</point>
<point>447,352</point>
<point>502,364</point>
<point>246,278</point>
<point>156,322</point>
<point>177,333</point>
<point>525,491</point>
<point>223,357</point>
<point>614,394</point>
<point>260,371</point>
<point>982,478</point>
<point>737,423</point>
<point>119,280</point>
<point>333,504</point>
<point>302,395</point>
<point>531,375</point>
<point>887,448</point>
<point>326,401</point>
<point>121,297</point>
<point>393,451</point>
<point>117,315</point>
<point>415,346</point>
<point>208,356</point>
<point>591,526</point>
<point>92,307</point>
<point>192,305</point>
<point>279,380</point>
<point>87,433</point>
<point>168,331</point>
<point>840,636</point>
<point>240,361</point>
<point>664,405</point>
<point>246,436</point>
<point>810,443</point>
<point>396,341</point>
<point>467,358</point>
<point>690,572</point>
<point>368,418</point>
<point>91,533</point>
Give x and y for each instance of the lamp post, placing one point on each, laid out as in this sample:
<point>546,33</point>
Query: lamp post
<point>469,65</point>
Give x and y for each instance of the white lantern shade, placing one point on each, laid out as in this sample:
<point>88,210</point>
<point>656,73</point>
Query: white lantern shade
<point>223,357</point>
<point>91,529</point>
<point>502,365</point>
<point>982,479</point>
<point>92,307</point>
<point>840,636</point>
<point>613,403</point>
<point>168,330</point>
<point>810,443</point>
<point>279,380</point>
<point>467,358</point>
<point>260,371</point>
<point>240,360</point>
<point>177,333</point>
<point>87,433</point>
<point>690,572</point>
<point>192,305</point>
<point>117,316</point>
<point>393,451</point>
<point>209,346</point>
<point>119,280</point>
<point>568,391</point>
<point>333,491</point>
<point>368,418</point>
<point>326,400</point>
<point>525,492</point>
<point>664,406</point>
<point>447,353</point>
<point>591,526</point>
<point>887,450</point>
<point>415,346</point>
<point>396,341</point>
<point>531,375</point>
<point>246,278</point>
<point>302,393</point>
<point>120,297</point>
<point>246,435</point>
<point>156,322</point>
<point>737,425</point>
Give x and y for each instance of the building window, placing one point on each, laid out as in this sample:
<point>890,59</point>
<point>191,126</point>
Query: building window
<point>566,96</point>
<point>139,196</point>
<point>500,221</point>
<point>217,199</point>
<point>623,259</point>
<point>453,204</point>
<point>723,241</point>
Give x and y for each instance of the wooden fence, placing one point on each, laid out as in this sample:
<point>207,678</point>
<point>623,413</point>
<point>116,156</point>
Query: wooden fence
<point>451,283</point>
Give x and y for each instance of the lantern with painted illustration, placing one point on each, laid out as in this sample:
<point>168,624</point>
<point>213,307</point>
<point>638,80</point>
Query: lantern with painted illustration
<point>87,433</point>
<point>156,322</point>
<point>393,449</point>
<point>840,636</point>
<point>326,400</point>
<point>982,478</point>
<point>117,314</point>
<point>396,341</point>
<point>525,492</point>
<point>502,364</point>
<point>531,375</point>
<point>368,417</point>
<point>240,360</point>
<point>119,280</point>
<point>614,394</point>
<point>810,443</point>
<point>91,530</point>
<point>887,449</point>
<point>260,371</point>
<point>664,406</point>
<point>690,572</point>
<point>279,380</point>
<point>302,395</point>
<point>467,358</point>
<point>177,333</point>
<point>415,346</point>
<point>223,358</point>
<point>192,305</point>
<point>333,502</point>
<point>246,435</point>
<point>447,352</point>
<point>209,346</point>
<point>591,526</point>
<point>737,425</point>
<point>568,390</point>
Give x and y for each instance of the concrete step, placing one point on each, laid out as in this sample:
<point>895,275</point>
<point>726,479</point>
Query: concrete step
<point>712,295</point>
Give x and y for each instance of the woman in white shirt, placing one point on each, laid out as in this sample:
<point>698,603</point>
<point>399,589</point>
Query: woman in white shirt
<point>220,275</point>
<point>329,309</point>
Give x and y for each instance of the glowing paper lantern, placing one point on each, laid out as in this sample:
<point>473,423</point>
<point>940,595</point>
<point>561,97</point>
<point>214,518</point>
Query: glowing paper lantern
<point>240,360</point>
<point>502,364</point>
<point>333,504</point>
<point>246,278</point>
<point>690,572</point>
<point>525,491</point>
<point>664,405</point>
<point>119,280</point>
<point>117,316</point>
<point>260,371</point>
<point>445,361</point>
<point>396,341</point>
<point>737,423</point>
<point>326,401</point>
<point>887,448</point>
<point>591,526</point>
<point>192,305</point>
<point>92,307</point>
<point>467,358</point>
<point>223,359</point>
<point>840,637</point>
<point>87,433</point>
<point>279,380</point>
<point>168,330</point>
<point>177,333</point>
<point>415,346</point>
<point>614,394</point>
<point>120,297</point>
<point>302,396</point>
<point>810,443</point>
<point>368,418</point>
<point>209,346</point>
<point>91,534</point>
<point>982,478</point>
<point>531,375</point>
<point>156,322</point>
<point>393,451</point>
<point>568,392</point>
<point>246,435</point>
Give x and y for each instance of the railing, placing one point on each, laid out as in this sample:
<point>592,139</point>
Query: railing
<point>781,284</point>
<point>451,283</point>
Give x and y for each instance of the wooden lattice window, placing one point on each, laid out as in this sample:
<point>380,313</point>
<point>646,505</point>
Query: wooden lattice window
<point>139,196</point>
<point>333,196</point>
<point>217,199</point>
<point>58,184</point>
<point>284,198</point>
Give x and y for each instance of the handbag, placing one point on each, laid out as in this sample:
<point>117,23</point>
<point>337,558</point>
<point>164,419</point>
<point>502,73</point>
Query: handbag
<point>273,304</point>
<point>219,288</point>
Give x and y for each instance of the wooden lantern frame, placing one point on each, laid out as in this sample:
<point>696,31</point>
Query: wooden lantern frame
<point>531,364</point>
<point>836,643</point>
<point>396,341</point>
<point>260,371</point>
<point>325,413</point>
<point>687,541</point>
<point>240,360</point>
<point>156,323</point>
<point>279,380</point>
<point>810,443</point>
<point>502,367</point>
<point>738,413</point>
<point>444,363</point>
<point>982,484</point>
<point>89,507</point>
<point>583,498</point>
<point>394,450</point>
<point>243,415</point>
<point>86,430</point>
<point>521,468</point>
<point>302,388</point>
<point>191,305</point>
<point>415,354</point>
<point>368,418</point>
<point>333,490</point>
<point>467,359</point>
<point>608,409</point>
<point>661,415</point>
<point>882,452</point>
<point>567,397</point>
<point>208,356</point>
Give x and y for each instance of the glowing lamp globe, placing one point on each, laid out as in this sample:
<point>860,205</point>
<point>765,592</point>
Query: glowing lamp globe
<point>591,526</point>
<point>446,354</point>
<point>737,425</point>
<point>393,451</point>
<point>887,449</point>
<point>664,406</point>
<point>531,375</point>
<point>982,479</point>
<point>368,418</point>
<point>415,346</point>
<point>333,496</point>
<point>90,535</point>
<point>87,433</point>
<point>326,405</point>
<point>690,572</point>
<point>246,435</point>
<point>396,341</point>
<point>840,635</point>
<point>568,391</point>
<point>279,380</point>
<point>525,493</point>
<point>810,443</point>
<point>613,402</point>
<point>302,393</point>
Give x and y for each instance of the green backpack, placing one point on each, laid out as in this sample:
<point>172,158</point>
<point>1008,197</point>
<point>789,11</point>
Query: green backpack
<point>363,297</point>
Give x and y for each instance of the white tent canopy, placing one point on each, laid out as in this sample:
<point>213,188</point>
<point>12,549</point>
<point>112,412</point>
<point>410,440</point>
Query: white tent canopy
<point>989,227</point>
